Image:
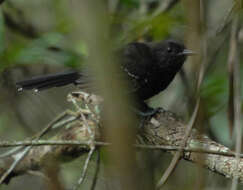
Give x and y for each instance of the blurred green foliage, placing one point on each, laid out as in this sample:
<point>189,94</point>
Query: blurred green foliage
<point>17,48</point>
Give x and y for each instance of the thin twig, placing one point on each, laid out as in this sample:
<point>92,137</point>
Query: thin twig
<point>204,47</point>
<point>226,20</point>
<point>236,94</point>
<point>54,123</point>
<point>18,158</point>
<point>188,149</point>
<point>10,152</point>
<point>98,143</point>
<point>214,53</point>
<point>97,169</point>
<point>232,59</point>
<point>22,154</point>
<point>49,142</point>
<point>81,179</point>
<point>92,133</point>
<point>54,126</point>
<point>180,151</point>
<point>177,156</point>
<point>58,124</point>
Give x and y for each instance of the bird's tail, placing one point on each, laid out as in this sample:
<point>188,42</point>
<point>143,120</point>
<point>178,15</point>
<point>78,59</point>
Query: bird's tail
<point>48,81</point>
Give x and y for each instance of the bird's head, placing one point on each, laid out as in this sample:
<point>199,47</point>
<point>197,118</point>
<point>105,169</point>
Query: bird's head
<point>170,54</point>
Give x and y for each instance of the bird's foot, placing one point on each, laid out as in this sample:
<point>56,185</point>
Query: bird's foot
<point>148,112</point>
<point>147,115</point>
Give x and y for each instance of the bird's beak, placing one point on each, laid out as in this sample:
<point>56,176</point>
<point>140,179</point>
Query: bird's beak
<point>188,52</point>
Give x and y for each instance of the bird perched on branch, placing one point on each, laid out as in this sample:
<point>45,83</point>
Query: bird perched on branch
<point>148,67</point>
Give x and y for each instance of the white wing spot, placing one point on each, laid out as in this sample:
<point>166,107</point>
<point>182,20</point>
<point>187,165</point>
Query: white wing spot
<point>130,74</point>
<point>20,89</point>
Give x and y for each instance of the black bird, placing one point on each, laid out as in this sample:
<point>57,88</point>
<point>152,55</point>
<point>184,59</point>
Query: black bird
<point>149,68</point>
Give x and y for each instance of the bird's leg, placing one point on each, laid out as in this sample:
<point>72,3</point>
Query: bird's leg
<point>144,110</point>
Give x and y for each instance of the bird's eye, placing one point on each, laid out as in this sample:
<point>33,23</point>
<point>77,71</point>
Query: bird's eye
<point>169,50</point>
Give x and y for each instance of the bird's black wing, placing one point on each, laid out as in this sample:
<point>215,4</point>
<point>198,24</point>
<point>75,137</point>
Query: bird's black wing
<point>136,62</point>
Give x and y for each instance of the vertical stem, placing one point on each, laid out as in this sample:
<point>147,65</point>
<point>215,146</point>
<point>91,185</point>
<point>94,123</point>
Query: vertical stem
<point>233,57</point>
<point>93,19</point>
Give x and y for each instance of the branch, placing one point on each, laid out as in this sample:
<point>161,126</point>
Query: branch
<point>170,130</point>
<point>164,131</point>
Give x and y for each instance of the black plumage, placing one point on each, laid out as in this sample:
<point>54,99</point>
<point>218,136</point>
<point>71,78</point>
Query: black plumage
<point>149,68</point>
